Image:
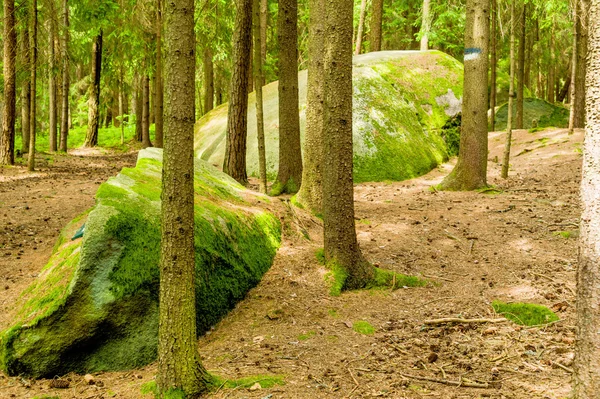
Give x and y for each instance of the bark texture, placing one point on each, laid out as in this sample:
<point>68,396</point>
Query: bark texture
<point>91,138</point>
<point>52,83</point>
<point>159,92</point>
<point>511,93</point>
<point>341,245</point>
<point>259,78</point>
<point>375,26</point>
<point>289,175</point>
<point>146,113</point>
<point>586,377</point>
<point>470,171</point>
<point>574,61</point>
<point>64,122</point>
<point>26,88</point>
<point>234,163</point>
<point>33,66</point>
<point>7,139</point>
<point>311,191</point>
<point>179,366</point>
<point>583,20</point>
<point>425,25</point>
<point>493,64</point>
<point>521,69</point>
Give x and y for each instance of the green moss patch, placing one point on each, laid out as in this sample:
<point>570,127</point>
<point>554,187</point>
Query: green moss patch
<point>527,314</point>
<point>537,113</point>
<point>363,327</point>
<point>391,280</point>
<point>320,254</point>
<point>336,278</point>
<point>306,336</point>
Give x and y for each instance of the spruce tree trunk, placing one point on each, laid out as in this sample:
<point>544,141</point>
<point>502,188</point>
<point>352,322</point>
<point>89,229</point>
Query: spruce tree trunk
<point>209,82</point>
<point>289,176</point>
<point>32,105</point>
<point>138,106</point>
<point>586,376</point>
<point>521,70</point>
<point>52,83</point>
<point>493,65</point>
<point>64,123</point>
<point>341,245</point>
<point>361,26</point>
<point>582,50</point>
<point>263,33</point>
<point>470,172</point>
<point>159,94</point>
<point>311,191</point>
<point>425,25</point>
<point>146,113</point>
<point>375,26</point>
<point>91,138</point>
<point>179,367</point>
<point>121,104</point>
<point>574,60</point>
<point>26,88</point>
<point>511,93</point>
<point>234,163</point>
<point>258,82</point>
<point>552,71</point>
<point>7,140</point>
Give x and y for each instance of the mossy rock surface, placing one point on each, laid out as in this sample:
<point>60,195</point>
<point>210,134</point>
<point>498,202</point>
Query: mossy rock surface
<point>503,87</point>
<point>536,113</point>
<point>401,101</point>
<point>94,307</point>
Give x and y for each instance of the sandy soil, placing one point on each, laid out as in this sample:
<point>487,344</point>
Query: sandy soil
<point>477,247</point>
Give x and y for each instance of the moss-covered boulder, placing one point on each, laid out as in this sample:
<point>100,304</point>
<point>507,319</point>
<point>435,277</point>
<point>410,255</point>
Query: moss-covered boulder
<point>536,113</point>
<point>401,101</point>
<point>94,306</point>
<point>503,86</point>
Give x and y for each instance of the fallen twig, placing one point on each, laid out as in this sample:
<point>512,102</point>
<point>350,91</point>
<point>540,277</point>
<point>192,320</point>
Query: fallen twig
<point>457,320</point>
<point>562,366</point>
<point>461,383</point>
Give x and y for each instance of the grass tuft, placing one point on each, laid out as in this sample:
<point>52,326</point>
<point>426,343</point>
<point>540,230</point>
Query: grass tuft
<point>527,314</point>
<point>363,327</point>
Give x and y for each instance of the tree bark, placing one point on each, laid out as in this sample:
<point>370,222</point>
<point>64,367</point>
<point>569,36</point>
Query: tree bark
<point>179,367</point>
<point>552,72</point>
<point>470,172</point>
<point>425,25</point>
<point>511,93</point>
<point>311,191</point>
<point>234,163</point>
<point>521,70</point>
<point>159,94</point>
<point>375,26</point>
<point>574,60</point>
<point>289,176</point>
<point>493,64</point>
<point>122,103</point>
<point>26,88</point>
<point>52,84</point>
<point>361,26</point>
<point>209,82</point>
<point>32,105</point>
<point>64,123</point>
<point>138,106</point>
<point>582,50</point>
<point>586,376</point>
<point>146,113</point>
<point>263,33</point>
<point>7,140</point>
<point>341,245</point>
<point>91,138</point>
<point>258,82</point>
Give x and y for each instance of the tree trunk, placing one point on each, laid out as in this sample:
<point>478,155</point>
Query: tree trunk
<point>52,84</point>
<point>258,81</point>
<point>552,72</point>
<point>586,376</point>
<point>470,172</point>
<point>289,176</point>
<point>263,33</point>
<point>146,113</point>
<point>179,366</point>
<point>564,90</point>
<point>158,95</point>
<point>26,89</point>
<point>311,191</point>
<point>64,123</point>
<point>582,50</point>
<point>7,140</point>
<point>574,60</point>
<point>425,25</point>
<point>121,110</point>
<point>32,105</point>
<point>361,26</point>
<point>91,138</point>
<point>376,22</point>
<point>521,70</point>
<point>341,245</point>
<point>139,107</point>
<point>511,93</point>
<point>493,65</point>
<point>234,163</point>
<point>209,82</point>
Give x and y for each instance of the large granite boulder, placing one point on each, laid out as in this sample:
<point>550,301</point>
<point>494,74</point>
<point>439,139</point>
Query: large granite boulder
<point>402,99</point>
<point>94,305</point>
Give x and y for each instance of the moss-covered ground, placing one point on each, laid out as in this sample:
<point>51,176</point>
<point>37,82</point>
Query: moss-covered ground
<point>527,314</point>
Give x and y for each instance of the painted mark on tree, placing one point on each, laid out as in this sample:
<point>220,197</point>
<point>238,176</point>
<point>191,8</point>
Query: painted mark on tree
<point>472,53</point>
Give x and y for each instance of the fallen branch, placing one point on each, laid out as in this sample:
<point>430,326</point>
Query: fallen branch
<point>457,320</point>
<point>461,383</point>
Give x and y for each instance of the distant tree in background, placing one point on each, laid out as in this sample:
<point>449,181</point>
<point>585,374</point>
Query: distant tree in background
<point>7,138</point>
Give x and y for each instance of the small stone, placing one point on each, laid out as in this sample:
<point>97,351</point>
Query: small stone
<point>89,379</point>
<point>432,357</point>
<point>255,387</point>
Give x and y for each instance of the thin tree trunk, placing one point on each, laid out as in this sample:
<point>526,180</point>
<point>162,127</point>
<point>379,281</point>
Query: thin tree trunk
<point>521,70</point>
<point>234,163</point>
<point>7,140</point>
<point>26,88</point>
<point>209,82</point>
<point>470,172</point>
<point>32,106</point>
<point>552,72</point>
<point>493,65</point>
<point>574,68</point>
<point>511,94</point>
<point>64,123</point>
<point>91,138</point>
<point>139,108</point>
<point>121,104</point>
<point>179,366</point>
<point>311,191</point>
<point>340,244</point>
<point>258,79</point>
<point>146,113</point>
<point>425,25</point>
<point>375,26</point>
<point>361,26</point>
<point>289,176</point>
<point>582,50</point>
<point>263,33</point>
<point>52,84</point>
<point>158,95</point>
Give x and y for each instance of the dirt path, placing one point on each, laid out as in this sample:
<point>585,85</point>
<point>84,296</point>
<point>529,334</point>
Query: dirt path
<point>478,247</point>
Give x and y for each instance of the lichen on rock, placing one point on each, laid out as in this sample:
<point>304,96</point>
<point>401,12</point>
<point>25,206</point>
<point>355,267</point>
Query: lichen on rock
<point>95,305</point>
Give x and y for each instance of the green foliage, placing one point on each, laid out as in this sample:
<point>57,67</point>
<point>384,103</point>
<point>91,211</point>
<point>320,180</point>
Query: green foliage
<point>563,234</point>
<point>527,314</point>
<point>320,254</point>
<point>336,278</point>
<point>451,134</point>
<point>363,327</point>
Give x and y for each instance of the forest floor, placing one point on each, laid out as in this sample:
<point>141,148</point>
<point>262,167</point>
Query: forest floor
<point>515,243</point>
